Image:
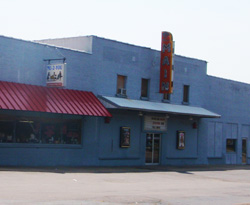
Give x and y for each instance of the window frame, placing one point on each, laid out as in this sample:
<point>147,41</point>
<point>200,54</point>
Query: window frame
<point>168,99</point>
<point>147,88</point>
<point>233,146</point>
<point>44,120</point>
<point>125,78</point>
<point>186,94</point>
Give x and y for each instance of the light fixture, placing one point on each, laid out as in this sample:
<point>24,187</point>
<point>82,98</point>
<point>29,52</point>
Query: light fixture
<point>26,121</point>
<point>194,125</point>
<point>140,114</point>
<point>107,120</point>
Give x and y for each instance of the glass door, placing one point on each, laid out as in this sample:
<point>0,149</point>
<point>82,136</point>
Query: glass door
<point>153,148</point>
<point>244,151</point>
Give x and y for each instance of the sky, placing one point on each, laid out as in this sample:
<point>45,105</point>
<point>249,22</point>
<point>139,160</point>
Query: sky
<point>217,31</point>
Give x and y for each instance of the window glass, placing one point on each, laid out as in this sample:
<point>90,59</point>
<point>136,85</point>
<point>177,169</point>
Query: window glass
<point>42,130</point>
<point>144,88</point>
<point>186,93</point>
<point>121,84</point>
<point>6,131</point>
<point>27,131</point>
<point>166,96</point>
<point>51,133</point>
<point>71,133</point>
<point>231,145</point>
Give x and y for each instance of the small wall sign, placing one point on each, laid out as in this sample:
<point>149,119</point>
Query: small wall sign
<point>180,140</point>
<point>55,75</point>
<point>125,137</point>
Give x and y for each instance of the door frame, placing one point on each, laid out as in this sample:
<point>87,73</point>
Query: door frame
<point>242,150</point>
<point>152,163</point>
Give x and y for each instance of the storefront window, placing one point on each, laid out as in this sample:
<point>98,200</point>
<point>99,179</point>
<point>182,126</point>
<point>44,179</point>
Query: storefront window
<point>71,133</point>
<point>42,130</point>
<point>6,132</point>
<point>51,133</point>
<point>27,131</point>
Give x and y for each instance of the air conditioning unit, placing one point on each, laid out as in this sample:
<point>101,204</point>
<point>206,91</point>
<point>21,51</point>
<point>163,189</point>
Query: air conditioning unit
<point>122,91</point>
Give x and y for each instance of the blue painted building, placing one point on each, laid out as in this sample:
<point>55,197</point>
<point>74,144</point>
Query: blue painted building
<point>205,121</point>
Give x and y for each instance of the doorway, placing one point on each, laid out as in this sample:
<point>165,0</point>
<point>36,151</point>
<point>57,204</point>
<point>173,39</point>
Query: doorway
<point>153,142</point>
<point>244,151</point>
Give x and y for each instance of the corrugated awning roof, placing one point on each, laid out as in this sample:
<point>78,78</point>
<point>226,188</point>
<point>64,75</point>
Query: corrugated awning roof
<point>17,96</point>
<point>148,106</point>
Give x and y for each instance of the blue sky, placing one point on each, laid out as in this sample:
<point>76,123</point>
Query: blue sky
<point>216,31</point>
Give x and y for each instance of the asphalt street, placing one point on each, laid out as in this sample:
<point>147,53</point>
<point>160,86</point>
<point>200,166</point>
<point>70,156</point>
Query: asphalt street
<point>126,185</point>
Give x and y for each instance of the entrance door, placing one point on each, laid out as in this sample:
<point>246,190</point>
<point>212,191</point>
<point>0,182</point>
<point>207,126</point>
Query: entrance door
<point>153,148</point>
<point>244,151</point>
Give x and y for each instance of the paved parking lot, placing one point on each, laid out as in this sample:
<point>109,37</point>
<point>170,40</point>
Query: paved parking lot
<point>126,185</point>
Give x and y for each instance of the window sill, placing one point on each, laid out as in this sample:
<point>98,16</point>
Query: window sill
<point>121,96</point>
<point>231,153</point>
<point>215,157</point>
<point>178,158</point>
<point>144,98</point>
<point>119,158</point>
<point>166,101</point>
<point>32,145</point>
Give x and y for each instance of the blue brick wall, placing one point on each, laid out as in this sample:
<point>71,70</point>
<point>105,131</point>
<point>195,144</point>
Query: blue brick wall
<point>23,62</point>
<point>140,62</point>
<point>230,99</point>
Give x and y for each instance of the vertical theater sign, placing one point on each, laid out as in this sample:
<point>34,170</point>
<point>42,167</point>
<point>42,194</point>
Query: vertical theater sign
<point>166,68</point>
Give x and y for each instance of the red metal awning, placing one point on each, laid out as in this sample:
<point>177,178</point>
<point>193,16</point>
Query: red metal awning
<point>17,96</point>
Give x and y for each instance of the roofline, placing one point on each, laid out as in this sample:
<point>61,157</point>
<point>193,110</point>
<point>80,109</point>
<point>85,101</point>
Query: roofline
<point>93,36</point>
<point>192,58</point>
<point>143,47</point>
<point>44,44</point>
<point>229,80</point>
<point>116,41</point>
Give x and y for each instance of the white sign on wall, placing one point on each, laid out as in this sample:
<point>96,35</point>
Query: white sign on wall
<point>56,75</point>
<point>155,123</point>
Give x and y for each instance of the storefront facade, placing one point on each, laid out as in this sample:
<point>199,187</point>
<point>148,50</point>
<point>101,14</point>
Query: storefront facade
<point>202,122</point>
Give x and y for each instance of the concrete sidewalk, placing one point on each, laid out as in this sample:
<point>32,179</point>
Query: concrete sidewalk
<point>126,185</point>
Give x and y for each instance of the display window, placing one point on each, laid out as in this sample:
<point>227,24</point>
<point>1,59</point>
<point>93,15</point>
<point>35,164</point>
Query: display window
<point>51,133</point>
<point>6,131</point>
<point>40,131</point>
<point>27,131</point>
<point>71,133</point>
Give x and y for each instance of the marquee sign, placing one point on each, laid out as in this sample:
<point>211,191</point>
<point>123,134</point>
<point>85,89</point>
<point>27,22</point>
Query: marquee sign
<point>166,68</point>
<point>56,75</point>
<point>155,123</point>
